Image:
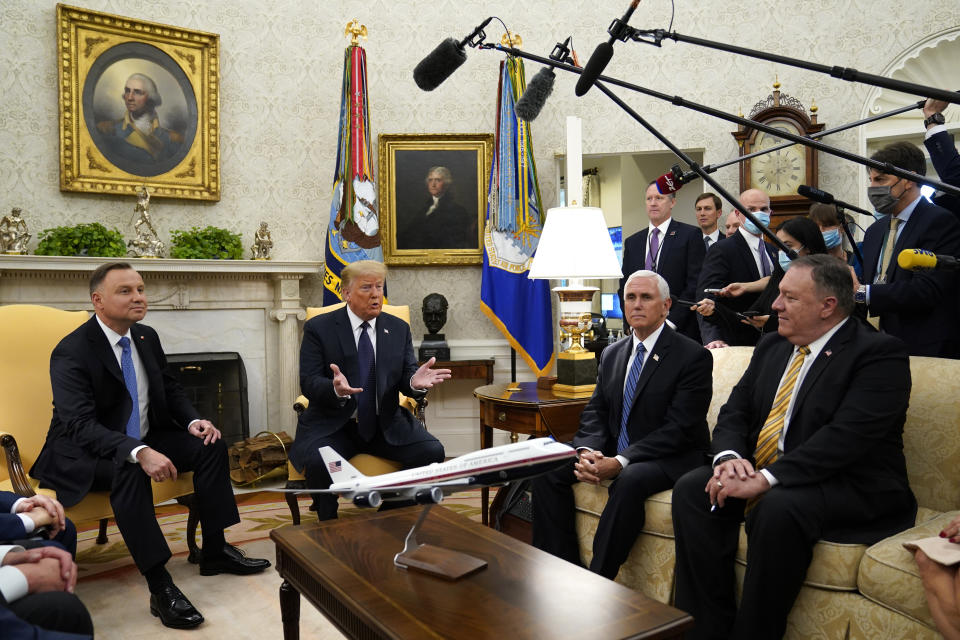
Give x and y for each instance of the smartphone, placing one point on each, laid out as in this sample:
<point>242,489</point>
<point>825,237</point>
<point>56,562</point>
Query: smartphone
<point>749,314</point>
<point>712,290</point>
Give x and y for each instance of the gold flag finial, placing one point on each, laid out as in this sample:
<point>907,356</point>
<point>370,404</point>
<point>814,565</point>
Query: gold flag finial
<point>355,31</point>
<point>776,82</point>
<point>511,40</point>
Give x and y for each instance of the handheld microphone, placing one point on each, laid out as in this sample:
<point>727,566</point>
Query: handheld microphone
<point>672,182</point>
<point>446,58</point>
<point>923,260</point>
<point>818,195</point>
<point>604,51</point>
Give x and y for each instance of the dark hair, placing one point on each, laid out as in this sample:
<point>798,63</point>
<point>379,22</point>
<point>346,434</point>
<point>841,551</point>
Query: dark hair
<point>806,232</point>
<point>831,277</point>
<point>824,214</point>
<point>904,155</point>
<point>716,199</point>
<point>96,278</point>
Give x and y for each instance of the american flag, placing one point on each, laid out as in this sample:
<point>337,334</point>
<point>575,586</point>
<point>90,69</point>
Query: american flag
<point>334,467</point>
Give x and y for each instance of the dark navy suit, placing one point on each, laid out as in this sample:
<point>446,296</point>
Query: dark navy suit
<point>679,261</point>
<point>919,307</point>
<point>946,160</point>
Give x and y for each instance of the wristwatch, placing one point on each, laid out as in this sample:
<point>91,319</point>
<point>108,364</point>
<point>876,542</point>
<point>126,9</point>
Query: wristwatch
<point>936,118</point>
<point>860,297</point>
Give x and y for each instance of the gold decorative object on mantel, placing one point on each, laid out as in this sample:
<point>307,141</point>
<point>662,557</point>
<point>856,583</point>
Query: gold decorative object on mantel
<point>355,31</point>
<point>13,234</point>
<point>147,244</point>
<point>262,243</point>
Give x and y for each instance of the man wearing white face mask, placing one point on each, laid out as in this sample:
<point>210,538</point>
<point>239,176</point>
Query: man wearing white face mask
<point>741,257</point>
<point>918,307</point>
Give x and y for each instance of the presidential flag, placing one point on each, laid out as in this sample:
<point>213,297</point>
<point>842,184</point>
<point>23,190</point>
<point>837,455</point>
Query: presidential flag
<point>353,232</point>
<point>518,306</point>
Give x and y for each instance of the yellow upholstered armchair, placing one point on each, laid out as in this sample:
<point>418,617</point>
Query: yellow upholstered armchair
<point>28,336</point>
<point>365,463</point>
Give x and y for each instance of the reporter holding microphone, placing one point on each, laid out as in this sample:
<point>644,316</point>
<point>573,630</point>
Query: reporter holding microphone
<point>919,307</point>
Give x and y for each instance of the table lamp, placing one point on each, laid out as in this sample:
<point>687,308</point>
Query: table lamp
<point>575,245</point>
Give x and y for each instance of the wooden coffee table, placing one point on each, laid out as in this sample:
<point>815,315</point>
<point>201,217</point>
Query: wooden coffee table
<point>345,568</point>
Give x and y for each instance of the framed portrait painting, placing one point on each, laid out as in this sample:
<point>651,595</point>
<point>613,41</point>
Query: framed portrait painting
<point>433,193</point>
<point>139,106</point>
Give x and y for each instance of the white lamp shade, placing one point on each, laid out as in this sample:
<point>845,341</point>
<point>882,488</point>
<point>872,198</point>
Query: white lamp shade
<point>575,243</point>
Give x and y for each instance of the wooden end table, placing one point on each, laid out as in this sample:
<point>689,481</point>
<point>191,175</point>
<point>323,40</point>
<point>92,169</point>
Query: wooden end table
<point>345,568</point>
<point>531,411</point>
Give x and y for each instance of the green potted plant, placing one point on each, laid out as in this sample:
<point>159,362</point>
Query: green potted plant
<point>211,243</point>
<point>85,239</point>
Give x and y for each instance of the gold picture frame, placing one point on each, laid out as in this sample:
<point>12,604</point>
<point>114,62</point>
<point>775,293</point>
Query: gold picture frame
<point>175,149</point>
<point>443,227</point>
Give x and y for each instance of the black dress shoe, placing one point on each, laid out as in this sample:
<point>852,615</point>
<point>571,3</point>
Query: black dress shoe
<point>232,561</point>
<point>173,608</point>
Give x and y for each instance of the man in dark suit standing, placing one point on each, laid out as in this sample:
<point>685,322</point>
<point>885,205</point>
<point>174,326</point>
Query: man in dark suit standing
<point>354,363</point>
<point>808,446</point>
<point>120,420</point>
<point>673,249</point>
<point>919,307</point>
<point>741,257</point>
<point>943,152</point>
<point>709,211</point>
<point>644,427</point>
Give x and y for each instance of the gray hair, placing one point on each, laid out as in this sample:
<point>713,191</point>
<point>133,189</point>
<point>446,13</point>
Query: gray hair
<point>360,268</point>
<point>444,173</point>
<point>831,277</point>
<point>155,99</point>
<point>662,285</point>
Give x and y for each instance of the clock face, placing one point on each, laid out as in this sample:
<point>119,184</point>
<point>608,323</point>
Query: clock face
<point>780,172</point>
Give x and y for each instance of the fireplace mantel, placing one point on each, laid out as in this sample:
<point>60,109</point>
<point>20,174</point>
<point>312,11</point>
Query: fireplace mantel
<point>249,306</point>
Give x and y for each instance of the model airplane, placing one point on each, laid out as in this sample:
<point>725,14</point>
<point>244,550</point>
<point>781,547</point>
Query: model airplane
<point>429,484</point>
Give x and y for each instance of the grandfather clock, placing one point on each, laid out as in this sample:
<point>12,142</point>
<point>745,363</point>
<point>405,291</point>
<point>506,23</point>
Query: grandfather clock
<point>780,172</point>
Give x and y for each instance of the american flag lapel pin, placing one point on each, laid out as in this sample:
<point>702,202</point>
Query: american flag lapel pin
<point>385,330</point>
<point>656,357</point>
<point>828,352</point>
<point>672,233</point>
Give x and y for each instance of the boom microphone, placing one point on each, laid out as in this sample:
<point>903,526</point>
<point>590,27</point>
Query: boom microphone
<point>604,51</point>
<point>817,195</point>
<point>536,94</point>
<point>923,260</point>
<point>672,182</point>
<point>444,60</point>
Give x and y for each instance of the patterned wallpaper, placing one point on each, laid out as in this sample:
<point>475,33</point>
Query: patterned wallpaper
<point>280,80</point>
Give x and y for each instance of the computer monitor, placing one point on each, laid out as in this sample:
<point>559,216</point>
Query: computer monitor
<point>610,306</point>
<point>616,236</point>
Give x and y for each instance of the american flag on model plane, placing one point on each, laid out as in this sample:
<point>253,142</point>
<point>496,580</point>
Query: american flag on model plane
<point>333,467</point>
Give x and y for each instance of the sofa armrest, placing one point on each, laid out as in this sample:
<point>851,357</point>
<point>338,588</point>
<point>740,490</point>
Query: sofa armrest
<point>18,476</point>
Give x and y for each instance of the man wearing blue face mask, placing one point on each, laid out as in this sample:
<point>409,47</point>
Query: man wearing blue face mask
<point>741,257</point>
<point>918,307</point>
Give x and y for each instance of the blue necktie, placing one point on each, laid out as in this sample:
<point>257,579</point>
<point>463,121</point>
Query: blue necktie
<point>623,440</point>
<point>367,399</point>
<point>130,380</point>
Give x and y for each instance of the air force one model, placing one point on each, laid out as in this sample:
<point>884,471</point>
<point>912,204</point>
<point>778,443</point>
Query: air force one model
<point>429,484</point>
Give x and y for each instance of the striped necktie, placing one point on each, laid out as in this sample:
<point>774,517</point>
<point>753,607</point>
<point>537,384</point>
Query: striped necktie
<point>766,450</point>
<point>888,250</point>
<point>623,439</point>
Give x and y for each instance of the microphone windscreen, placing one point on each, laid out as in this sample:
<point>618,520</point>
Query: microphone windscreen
<point>815,194</point>
<point>536,94</point>
<point>917,259</point>
<point>667,184</point>
<point>439,65</point>
<point>595,66</point>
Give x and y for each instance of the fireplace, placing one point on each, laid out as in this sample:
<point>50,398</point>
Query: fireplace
<point>216,384</point>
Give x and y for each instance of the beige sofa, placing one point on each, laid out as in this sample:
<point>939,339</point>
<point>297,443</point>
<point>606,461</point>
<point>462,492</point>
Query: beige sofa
<point>851,591</point>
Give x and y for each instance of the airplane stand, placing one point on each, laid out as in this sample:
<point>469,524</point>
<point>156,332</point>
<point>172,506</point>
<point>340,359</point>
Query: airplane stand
<point>436,561</point>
